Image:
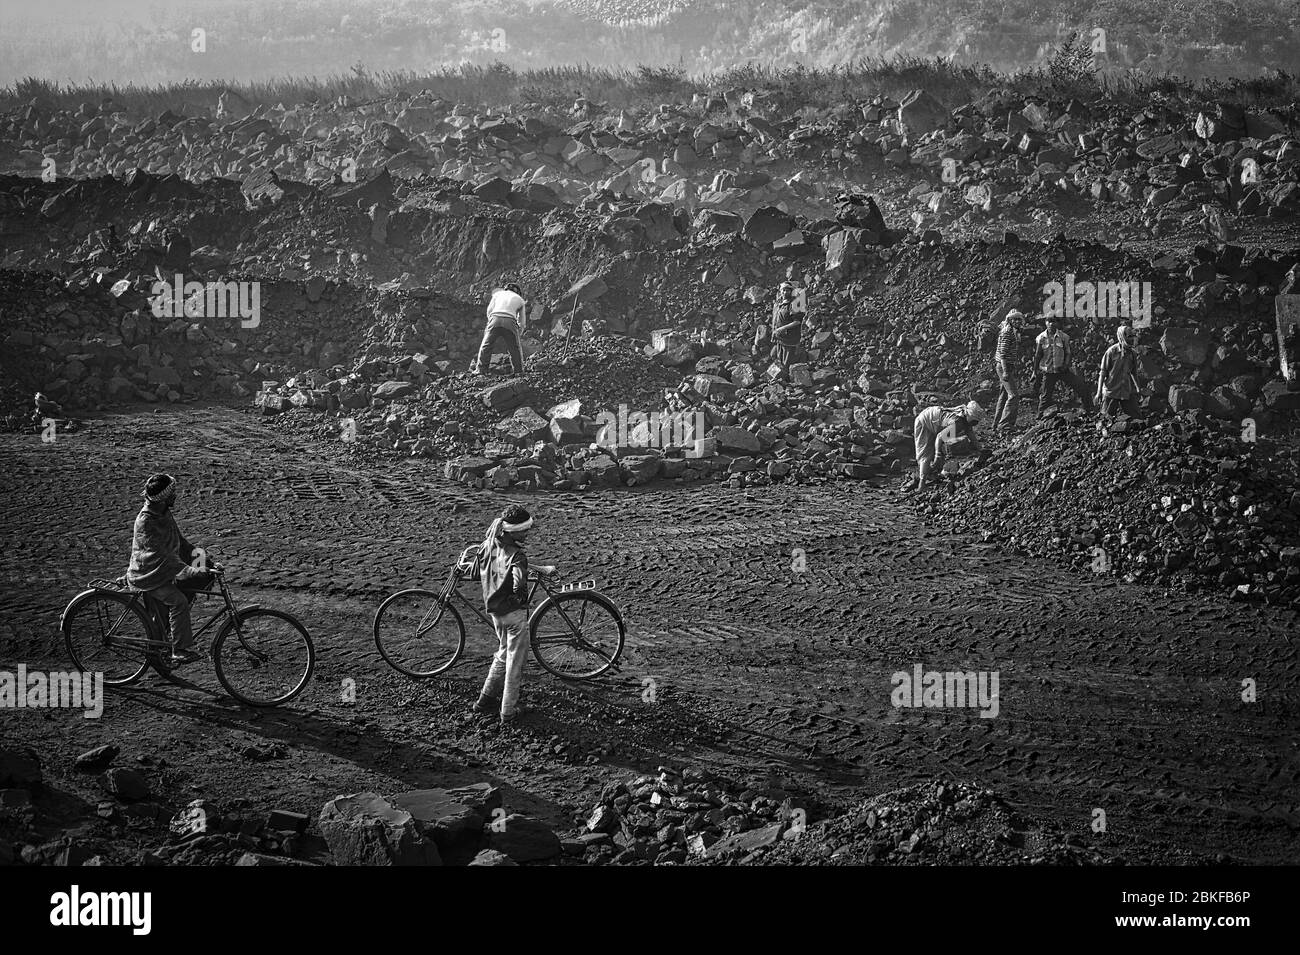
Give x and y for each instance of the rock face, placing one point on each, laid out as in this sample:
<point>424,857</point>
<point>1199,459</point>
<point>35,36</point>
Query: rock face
<point>920,113</point>
<point>20,766</point>
<point>507,395</point>
<point>766,225</point>
<point>523,839</point>
<point>98,758</point>
<point>454,818</point>
<point>365,829</point>
<point>126,784</point>
<point>1185,346</point>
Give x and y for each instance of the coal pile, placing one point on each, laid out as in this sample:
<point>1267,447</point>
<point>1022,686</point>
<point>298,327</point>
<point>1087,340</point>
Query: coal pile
<point>676,816</point>
<point>1186,501</point>
<point>694,817</point>
<point>935,823</point>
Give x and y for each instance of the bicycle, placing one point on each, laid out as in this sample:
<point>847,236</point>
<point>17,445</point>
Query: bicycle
<point>113,622</point>
<point>421,633</point>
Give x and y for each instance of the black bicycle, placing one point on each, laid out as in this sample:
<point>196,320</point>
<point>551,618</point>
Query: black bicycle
<point>576,633</point>
<point>262,657</point>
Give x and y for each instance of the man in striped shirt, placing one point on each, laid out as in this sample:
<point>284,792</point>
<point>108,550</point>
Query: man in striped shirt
<point>1006,361</point>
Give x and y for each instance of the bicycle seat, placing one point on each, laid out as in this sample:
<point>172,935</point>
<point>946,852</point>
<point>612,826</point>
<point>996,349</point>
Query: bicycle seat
<point>119,585</point>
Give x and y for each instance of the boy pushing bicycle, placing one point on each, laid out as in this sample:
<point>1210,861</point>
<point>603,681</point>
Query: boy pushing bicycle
<point>503,568</point>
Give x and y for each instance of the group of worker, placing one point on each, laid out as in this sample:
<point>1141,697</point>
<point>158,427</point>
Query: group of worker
<point>780,340</point>
<point>939,431</point>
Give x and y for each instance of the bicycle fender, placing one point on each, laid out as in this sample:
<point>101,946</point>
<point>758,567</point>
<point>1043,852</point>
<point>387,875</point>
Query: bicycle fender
<point>64,612</point>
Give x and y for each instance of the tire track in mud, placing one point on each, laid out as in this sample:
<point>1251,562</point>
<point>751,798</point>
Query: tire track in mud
<point>1110,696</point>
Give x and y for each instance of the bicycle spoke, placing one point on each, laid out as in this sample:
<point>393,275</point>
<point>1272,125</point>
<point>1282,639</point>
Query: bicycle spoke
<point>419,633</point>
<point>268,660</point>
<point>105,634</point>
<point>583,641</point>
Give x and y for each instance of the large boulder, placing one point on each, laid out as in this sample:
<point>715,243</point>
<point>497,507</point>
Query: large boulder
<point>535,196</point>
<point>126,784</point>
<point>467,466</point>
<point>843,252</point>
<point>1185,398</point>
<point>1185,346</point>
<point>642,468</point>
<point>523,839</point>
<point>523,427</point>
<point>495,190</point>
<point>1228,403</point>
<point>565,430</point>
<point>365,829</point>
<point>391,390</point>
<point>735,440</point>
<point>1276,396</point>
<point>718,222</point>
<point>507,395</point>
<point>657,217</point>
<point>603,470</point>
<point>586,289</point>
<point>767,224</point>
<point>714,387</point>
<point>919,112</point>
<point>454,818</point>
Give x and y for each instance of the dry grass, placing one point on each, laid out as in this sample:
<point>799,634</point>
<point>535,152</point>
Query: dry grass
<point>556,87</point>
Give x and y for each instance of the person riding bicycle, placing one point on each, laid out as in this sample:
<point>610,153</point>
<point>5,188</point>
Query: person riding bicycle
<point>164,565</point>
<point>503,569</point>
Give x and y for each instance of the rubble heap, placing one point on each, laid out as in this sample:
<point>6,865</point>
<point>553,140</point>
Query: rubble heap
<point>679,815</point>
<point>694,817</point>
<point>1005,156</point>
<point>1186,501</point>
<point>936,823</point>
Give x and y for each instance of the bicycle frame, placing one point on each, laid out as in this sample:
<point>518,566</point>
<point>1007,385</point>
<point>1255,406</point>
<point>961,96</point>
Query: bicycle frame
<point>451,591</point>
<point>156,639</point>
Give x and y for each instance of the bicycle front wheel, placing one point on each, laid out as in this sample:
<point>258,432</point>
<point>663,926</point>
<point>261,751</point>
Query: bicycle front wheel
<point>577,635</point>
<point>106,633</point>
<point>263,657</point>
<point>418,633</point>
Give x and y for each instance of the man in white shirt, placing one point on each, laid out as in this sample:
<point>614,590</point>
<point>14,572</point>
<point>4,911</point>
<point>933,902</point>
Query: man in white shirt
<point>506,315</point>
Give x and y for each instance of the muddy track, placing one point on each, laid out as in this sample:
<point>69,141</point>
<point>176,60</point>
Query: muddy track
<point>1111,696</point>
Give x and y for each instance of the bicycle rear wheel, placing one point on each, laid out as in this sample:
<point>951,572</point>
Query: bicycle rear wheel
<point>263,657</point>
<point>105,633</point>
<point>418,633</point>
<point>576,635</point>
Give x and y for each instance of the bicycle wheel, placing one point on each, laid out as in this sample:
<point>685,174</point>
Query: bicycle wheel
<point>419,634</point>
<point>104,633</point>
<point>576,635</point>
<point>263,657</point>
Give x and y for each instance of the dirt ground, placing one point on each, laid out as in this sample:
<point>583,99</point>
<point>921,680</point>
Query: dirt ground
<point>1111,696</point>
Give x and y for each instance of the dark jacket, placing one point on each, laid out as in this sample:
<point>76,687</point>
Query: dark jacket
<point>787,324</point>
<point>504,571</point>
<point>158,549</point>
